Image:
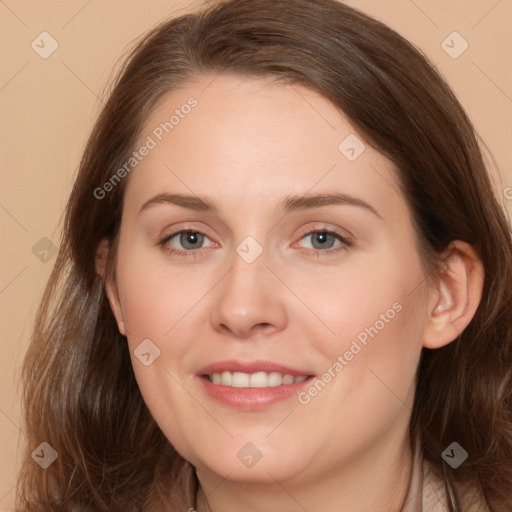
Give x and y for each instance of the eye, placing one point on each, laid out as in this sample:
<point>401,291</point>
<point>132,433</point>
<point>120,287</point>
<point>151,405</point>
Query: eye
<point>321,240</point>
<point>185,241</point>
<point>188,243</point>
<point>189,239</point>
<point>324,241</point>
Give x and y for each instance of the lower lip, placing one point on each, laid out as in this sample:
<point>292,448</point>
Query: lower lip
<point>252,399</point>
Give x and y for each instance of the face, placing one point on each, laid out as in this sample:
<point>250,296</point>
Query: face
<point>268,282</point>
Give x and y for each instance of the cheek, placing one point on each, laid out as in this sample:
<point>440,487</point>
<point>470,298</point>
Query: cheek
<point>368,331</point>
<point>157,306</point>
<point>155,299</point>
<point>367,379</point>
<point>366,298</point>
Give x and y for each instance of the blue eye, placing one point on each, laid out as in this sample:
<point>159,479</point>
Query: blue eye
<point>324,243</point>
<point>190,239</point>
<point>188,242</point>
<point>322,240</point>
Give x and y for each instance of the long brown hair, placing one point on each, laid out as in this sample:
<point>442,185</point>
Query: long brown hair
<point>80,394</point>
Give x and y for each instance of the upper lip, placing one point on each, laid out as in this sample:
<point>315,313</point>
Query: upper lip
<point>250,367</point>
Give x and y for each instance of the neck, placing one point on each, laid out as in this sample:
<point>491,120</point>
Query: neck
<point>378,480</point>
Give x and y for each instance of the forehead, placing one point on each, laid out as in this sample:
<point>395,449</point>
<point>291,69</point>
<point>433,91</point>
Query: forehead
<point>244,139</point>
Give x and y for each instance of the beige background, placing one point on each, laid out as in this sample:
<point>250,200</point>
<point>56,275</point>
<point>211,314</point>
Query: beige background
<point>48,107</point>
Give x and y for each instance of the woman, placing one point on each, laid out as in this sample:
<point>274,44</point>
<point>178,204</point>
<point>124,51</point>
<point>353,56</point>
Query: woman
<point>284,282</point>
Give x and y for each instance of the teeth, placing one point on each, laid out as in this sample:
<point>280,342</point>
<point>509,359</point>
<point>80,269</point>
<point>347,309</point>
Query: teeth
<point>225,378</point>
<point>274,379</point>
<point>288,379</point>
<point>240,380</point>
<point>258,380</point>
<point>255,380</point>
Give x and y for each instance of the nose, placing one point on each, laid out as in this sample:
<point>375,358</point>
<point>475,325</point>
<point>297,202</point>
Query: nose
<point>250,300</point>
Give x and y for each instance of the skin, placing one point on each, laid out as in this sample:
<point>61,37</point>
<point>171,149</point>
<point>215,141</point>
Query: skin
<point>247,145</point>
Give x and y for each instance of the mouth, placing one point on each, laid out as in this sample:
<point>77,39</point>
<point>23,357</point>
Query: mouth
<point>254,380</point>
<point>251,386</point>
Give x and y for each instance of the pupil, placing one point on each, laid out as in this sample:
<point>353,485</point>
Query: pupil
<point>321,240</point>
<point>189,239</point>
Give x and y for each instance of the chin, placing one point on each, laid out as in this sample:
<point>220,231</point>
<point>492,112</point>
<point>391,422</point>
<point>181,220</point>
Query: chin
<point>250,462</point>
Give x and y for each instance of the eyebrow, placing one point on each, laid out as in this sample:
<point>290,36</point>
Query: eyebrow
<point>303,202</point>
<point>191,202</point>
<point>290,203</point>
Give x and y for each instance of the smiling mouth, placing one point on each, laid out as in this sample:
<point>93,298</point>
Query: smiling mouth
<point>254,380</point>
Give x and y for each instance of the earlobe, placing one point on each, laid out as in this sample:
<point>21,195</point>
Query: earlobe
<point>101,259</point>
<point>455,299</point>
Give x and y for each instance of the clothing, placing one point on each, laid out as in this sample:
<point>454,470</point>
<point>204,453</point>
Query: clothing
<point>426,492</point>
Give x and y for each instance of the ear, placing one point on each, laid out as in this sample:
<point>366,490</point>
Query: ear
<point>455,298</point>
<point>111,290</point>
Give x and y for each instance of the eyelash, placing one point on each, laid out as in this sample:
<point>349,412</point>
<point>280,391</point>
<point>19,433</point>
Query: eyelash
<point>346,242</point>
<point>180,253</point>
<point>195,253</point>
